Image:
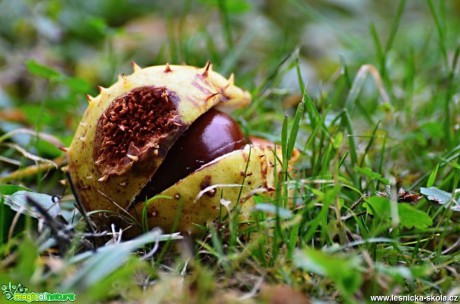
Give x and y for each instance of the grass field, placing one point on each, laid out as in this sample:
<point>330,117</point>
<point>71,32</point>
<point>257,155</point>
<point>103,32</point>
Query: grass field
<point>366,91</point>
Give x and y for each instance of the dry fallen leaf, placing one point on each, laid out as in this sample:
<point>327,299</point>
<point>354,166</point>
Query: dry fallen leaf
<point>280,294</point>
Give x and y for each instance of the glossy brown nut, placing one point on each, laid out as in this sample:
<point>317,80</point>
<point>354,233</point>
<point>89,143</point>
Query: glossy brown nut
<point>212,135</point>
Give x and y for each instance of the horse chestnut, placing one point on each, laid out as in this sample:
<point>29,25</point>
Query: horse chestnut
<point>212,135</point>
<point>161,131</point>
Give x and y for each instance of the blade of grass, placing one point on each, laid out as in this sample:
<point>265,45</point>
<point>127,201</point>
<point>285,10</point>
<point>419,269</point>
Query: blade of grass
<point>381,159</point>
<point>347,123</point>
<point>391,38</point>
<point>107,259</point>
<point>440,29</point>
<point>227,26</point>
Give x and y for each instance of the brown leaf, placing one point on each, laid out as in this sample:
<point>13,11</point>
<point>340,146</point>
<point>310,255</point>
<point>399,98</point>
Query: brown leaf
<point>280,294</point>
<point>405,196</point>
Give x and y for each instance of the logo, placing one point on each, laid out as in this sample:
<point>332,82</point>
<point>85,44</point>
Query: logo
<point>20,293</point>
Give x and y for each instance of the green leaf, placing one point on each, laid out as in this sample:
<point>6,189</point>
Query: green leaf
<point>77,84</point>
<point>295,129</point>
<point>46,149</point>
<point>432,177</point>
<point>238,6</point>
<point>232,6</point>
<point>98,25</point>
<point>409,216</point>
<point>412,217</point>
<point>42,70</point>
<point>284,137</point>
<point>338,139</point>
<point>378,206</point>
<point>343,270</point>
<point>27,261</point>
<point>4,220</point>
<point>372,175</point>
<point>10,189</point>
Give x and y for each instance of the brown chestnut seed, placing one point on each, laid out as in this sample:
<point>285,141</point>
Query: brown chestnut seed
<point>212,135</point>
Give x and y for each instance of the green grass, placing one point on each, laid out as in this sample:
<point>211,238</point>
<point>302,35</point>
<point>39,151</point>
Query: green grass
<point>369,98</point>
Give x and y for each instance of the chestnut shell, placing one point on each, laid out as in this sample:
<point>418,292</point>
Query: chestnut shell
<point>101,184</point>
<point>111,182</point>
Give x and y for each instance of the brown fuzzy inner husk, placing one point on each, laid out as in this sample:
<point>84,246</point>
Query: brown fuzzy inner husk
<point>132,127</point>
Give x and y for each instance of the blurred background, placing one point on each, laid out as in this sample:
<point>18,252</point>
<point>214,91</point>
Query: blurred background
<point>380,85</point>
